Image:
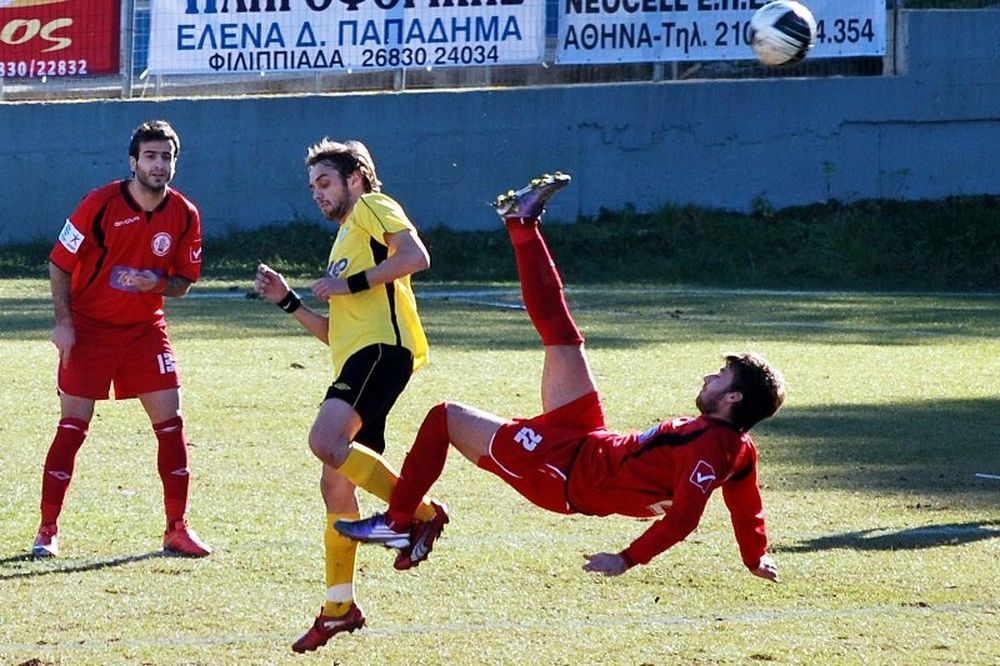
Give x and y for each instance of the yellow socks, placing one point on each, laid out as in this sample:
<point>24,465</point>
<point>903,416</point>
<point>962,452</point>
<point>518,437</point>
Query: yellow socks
<point>370,471</point>
<point>340,555</point>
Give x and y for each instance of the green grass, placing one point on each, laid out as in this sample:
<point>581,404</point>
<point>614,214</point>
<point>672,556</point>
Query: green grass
<point>952,244</point>
<point>887,543</point>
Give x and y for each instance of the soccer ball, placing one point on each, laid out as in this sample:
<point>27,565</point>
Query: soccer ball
<point>782,32</point>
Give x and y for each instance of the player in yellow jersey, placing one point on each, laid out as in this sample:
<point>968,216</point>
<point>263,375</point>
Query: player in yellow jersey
<point>376,340</point>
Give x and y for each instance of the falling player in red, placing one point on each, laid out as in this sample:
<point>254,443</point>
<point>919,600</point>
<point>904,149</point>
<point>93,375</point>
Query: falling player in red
<point>565,460</point>
<point>126,246</point>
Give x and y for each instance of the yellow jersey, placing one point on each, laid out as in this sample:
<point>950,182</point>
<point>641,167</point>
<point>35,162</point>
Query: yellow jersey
<point>386,313</point>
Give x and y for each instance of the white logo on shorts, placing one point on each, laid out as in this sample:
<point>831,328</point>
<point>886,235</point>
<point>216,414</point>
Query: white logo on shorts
<point>161,244</point>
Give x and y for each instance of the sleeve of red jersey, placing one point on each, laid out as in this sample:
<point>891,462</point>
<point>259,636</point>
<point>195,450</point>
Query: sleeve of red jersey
<point>76,234</point>
<point>692,487</point>
<point>746,508</point>
<point>187,261</point>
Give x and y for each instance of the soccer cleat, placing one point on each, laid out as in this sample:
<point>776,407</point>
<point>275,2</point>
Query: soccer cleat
<point>529,201</point>
<point>46,541</point>
<point>326,627</point>
<point>422,538</point>
<point>374,529</point>
<point>179,539</point>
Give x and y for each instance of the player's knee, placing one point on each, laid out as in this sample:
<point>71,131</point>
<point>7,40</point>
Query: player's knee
<point>438,415</point>
<point>332,449</point>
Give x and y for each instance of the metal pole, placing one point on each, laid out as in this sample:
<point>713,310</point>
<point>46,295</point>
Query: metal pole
<point>127,47</point>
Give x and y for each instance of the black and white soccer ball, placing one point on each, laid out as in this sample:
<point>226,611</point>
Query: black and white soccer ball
<point>782,32</point>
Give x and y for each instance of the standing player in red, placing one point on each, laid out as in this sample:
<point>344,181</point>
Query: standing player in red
<point>126,246</point>
<point>565,460</point>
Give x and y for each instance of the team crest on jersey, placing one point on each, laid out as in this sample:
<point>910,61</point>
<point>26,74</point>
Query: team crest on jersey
<point>70,237</point>
<point>161,244</point>
<point>703,476</point>
<point>337,268</point>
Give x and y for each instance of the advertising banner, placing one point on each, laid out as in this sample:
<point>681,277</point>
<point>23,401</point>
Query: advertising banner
<point>241,36</point>
<point>42,38</point>
<point>616,31</point>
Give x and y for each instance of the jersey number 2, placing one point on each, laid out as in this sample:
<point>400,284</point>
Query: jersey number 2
<point>528,438</point>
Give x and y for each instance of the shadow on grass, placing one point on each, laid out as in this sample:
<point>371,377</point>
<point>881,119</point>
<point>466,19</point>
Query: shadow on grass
<point>912,538</point>
<point>933,446</point>
<point>92,566</point>
<point>629,316</point>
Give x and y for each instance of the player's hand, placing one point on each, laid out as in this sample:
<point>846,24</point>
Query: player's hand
<point>326,287</point>
<point>142,280</point>
<point>767,569</point>
<point>64,337</point>
<point>270,284</point>
<point>609,564</point>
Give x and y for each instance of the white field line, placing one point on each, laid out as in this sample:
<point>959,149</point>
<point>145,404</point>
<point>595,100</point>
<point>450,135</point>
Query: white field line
<point>465,294</point>
<point>390,629</point>
<point>487,298</point>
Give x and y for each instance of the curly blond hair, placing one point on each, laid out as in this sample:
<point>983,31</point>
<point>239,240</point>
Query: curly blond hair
<point>346,157</point>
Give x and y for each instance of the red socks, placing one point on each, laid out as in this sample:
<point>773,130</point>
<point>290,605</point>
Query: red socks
<point>59,464</point>
<point>172,463</point>
<point>541,287</point>
<point>421,468</point>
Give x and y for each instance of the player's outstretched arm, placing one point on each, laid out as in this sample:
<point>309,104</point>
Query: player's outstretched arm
<point>609,564</point>
<point>767,569</point>
<point>272,286</point>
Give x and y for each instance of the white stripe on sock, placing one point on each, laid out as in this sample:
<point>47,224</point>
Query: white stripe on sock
<point>340,594</point>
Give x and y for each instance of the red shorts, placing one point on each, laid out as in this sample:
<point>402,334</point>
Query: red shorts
<point>534,455</point>
<point>137,358</point>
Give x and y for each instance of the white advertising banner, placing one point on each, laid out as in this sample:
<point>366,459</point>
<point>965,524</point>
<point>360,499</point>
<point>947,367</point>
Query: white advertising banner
<point>241,36</point>
<point>614,31</point>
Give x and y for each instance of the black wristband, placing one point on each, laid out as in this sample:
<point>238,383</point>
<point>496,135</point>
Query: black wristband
<point>291,302</point>
<point>358,282</point>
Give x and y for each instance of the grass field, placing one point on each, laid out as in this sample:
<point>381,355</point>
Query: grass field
<point>887,542</point>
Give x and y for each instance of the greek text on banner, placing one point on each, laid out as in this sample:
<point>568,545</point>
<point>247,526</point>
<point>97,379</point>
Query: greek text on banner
<point>615,31</point>
<point>213,36</point>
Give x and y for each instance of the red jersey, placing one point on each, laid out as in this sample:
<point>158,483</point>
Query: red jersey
<point>110,234</point>
<point>670,471</point>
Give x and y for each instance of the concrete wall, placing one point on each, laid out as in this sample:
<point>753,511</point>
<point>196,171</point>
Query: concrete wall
<point>930,132</point>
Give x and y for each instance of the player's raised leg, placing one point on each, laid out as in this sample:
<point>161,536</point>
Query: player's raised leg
<point>566,373</point>
<point>471,431</point>
<point>423,465</point>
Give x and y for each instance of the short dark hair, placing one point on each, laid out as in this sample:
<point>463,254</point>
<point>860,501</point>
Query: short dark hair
<point>346,157</point>
<point>154,130</point>
<point>761,384</point>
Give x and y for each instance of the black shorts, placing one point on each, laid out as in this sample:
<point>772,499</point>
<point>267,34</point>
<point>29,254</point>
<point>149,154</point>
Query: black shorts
<point>370,381</point>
